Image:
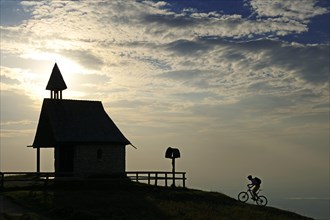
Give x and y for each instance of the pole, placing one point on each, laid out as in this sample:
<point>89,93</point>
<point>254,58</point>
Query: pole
<point>2,180</point>
<point>38,159</point>
<point>173,171</point>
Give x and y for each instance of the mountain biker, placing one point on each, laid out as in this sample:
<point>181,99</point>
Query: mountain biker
<point>255,184</point>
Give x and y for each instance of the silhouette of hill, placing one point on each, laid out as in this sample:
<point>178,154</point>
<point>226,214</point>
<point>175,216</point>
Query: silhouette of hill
<point>126,200</point>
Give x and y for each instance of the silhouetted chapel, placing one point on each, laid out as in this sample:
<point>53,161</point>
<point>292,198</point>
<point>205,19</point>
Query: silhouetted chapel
<point>86,141</point>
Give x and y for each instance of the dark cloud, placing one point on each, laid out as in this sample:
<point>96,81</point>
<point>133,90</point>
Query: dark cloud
<point>310,62</point>
<point>260,86</point>
<point>234,55</point>
<point>182,75</point>
<point>158,63</point>
<point>85,58</point>
<point>170,20</point>
<point>324,106</point>
<point>186,47</point>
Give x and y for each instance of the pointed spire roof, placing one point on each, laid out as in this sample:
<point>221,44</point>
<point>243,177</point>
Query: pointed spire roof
<point>56,81</point>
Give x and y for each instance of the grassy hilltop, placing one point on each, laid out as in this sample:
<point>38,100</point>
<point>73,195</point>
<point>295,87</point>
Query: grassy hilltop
<point>126,200</point>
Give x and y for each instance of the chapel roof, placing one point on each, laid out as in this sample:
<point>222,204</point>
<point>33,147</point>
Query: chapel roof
<point>75,122</point>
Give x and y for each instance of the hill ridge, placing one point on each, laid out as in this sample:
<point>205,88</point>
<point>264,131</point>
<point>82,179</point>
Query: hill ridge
<point>127,200</point>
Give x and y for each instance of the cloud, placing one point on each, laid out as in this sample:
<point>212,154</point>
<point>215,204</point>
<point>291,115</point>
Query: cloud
<point>148,48</point>
<point>22,122</point>
<point>141,47</point>
<point>140,21</point>
<point>21,128</point>
<point>16,107</point>
<point>170,20</point>
<point>188,74</point>
<point>92,35</point>
<point>85,58</point>
<point>21,81</point>
<point>310,62</point>
<point>297,10</point>
<point>8,80</point>
<point>256,66</point>
<point>282,19</point>
<point>14,133</point>
<point>189,48</point>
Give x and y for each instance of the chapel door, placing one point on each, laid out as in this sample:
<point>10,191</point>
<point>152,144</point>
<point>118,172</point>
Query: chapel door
<point>64,160</point>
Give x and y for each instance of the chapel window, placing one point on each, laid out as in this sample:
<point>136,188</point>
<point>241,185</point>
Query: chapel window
<point>99,154</point>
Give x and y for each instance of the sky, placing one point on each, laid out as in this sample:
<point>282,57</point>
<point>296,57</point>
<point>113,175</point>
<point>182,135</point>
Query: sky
<point>240,87</point>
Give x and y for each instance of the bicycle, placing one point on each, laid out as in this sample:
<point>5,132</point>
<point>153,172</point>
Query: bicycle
<point>244,196</point>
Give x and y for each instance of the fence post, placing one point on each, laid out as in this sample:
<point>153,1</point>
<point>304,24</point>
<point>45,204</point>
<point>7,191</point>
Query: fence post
<point>166,179</point>
<point>46,181</point>
<point>156,178</point>
<point>2,180</point>
<point>137,177</point>
<point>173,171</point>
<point>38,159</point>
<point>148,178</point>
<point>184,180</point>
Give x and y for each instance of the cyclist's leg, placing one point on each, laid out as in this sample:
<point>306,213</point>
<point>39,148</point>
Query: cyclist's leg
<point>254,190</point>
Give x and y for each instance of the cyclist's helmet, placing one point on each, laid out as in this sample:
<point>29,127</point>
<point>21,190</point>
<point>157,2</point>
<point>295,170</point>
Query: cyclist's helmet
<point>249,177</point>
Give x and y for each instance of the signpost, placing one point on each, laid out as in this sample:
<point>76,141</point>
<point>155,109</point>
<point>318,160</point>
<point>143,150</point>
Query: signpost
<point>172,153</point>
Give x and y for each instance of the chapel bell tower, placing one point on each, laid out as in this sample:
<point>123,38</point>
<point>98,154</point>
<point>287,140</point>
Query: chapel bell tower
<point>56,83</point>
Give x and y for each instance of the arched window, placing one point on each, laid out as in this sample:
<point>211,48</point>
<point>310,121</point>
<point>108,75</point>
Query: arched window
<point>99,154</point>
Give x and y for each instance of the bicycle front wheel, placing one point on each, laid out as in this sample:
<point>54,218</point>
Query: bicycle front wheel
<point>262,201</point>
<point>243,196</point>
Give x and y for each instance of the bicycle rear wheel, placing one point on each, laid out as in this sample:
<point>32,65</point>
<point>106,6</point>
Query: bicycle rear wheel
<point>262,201</point>
<point>243,196</point>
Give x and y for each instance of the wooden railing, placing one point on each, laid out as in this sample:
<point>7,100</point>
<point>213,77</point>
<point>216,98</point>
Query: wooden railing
<point>25,177</point>
<point>138,176</point>
<point>156,176</point>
